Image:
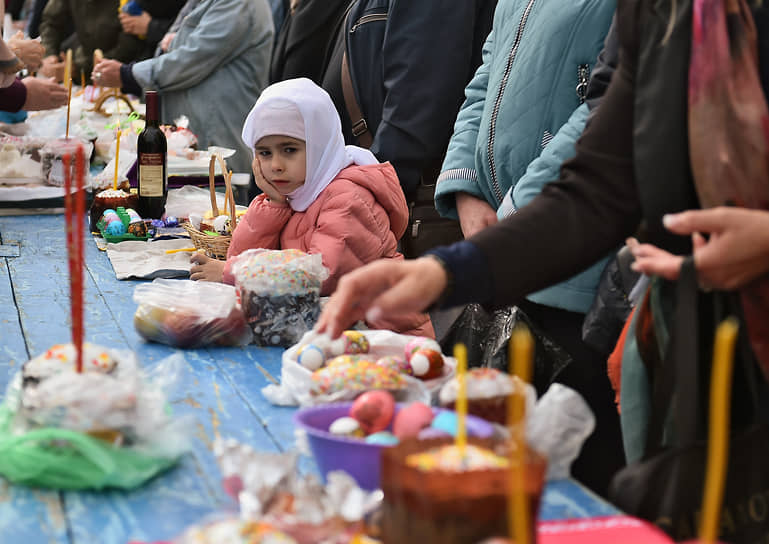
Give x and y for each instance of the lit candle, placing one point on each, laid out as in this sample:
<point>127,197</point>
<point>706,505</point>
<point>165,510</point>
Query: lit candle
<point>718,438</point>
<point>68,66</point>
<point>520,348</point>
<point>69,101</point>
<point>79,218</point>
<point>117,156</point>
<point>460,354</point>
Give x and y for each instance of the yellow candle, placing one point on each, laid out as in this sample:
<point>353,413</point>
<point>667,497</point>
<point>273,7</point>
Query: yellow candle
<point>68,66</point>
<point>69,101</point>
<point>718,437</point>
<point>117,156</point>
<point>460,354</point>
<point>520,348</point>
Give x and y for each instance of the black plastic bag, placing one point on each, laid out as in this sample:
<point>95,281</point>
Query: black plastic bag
<point>612,304</point>
<point>487,335</point>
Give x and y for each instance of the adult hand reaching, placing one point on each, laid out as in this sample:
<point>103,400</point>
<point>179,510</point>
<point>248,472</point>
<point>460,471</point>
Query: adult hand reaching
<point>52,66</point>
<point>138,25</point>
<point>29,51</point>
<point>735,253</point>
<point>43,94</point>
<point>474,214</point>
<point>380,289</point>
<point>107,73</point>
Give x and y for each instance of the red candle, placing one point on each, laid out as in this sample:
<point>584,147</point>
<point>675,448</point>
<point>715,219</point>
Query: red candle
<point>77,298</point>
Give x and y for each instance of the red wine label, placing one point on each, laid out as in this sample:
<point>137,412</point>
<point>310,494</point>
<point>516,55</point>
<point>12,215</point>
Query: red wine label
<point>151,174</point>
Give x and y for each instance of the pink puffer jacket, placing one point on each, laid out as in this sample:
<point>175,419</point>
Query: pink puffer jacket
<point>357,219</point>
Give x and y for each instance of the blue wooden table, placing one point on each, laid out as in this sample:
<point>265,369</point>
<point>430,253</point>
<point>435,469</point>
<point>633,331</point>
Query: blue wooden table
<point>221,389</point>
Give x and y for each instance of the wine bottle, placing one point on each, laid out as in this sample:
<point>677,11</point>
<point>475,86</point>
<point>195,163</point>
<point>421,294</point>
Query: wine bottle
<point>151,150</point>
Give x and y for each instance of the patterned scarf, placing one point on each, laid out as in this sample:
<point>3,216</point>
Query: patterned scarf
<point>729,131</point>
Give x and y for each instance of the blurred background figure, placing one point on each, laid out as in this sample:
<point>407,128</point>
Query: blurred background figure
<point>84,27</point>
<point>214,69</point>
<point>149,20</point>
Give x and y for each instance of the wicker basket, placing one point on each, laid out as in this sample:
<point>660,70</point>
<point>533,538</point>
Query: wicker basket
<point>215,246</point>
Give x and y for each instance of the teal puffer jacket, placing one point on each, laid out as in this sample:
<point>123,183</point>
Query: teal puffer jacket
<point>536,63</point>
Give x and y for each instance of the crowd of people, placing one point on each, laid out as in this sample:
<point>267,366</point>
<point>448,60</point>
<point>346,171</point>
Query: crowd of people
<point>554,133</point>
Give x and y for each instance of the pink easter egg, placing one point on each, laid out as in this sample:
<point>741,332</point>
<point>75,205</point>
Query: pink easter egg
<point>373,410</point>
<point>410,420</point>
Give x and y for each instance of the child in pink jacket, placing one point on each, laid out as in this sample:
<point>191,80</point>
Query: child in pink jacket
<point>319,196</point>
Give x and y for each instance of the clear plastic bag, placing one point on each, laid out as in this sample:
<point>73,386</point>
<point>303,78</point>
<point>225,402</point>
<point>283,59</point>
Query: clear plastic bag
<point>190,314</point>
<point>557,428</point>
<point>280,293</point>
<point>296,381</point>
<point>277,505</point>
<point>92,430</point>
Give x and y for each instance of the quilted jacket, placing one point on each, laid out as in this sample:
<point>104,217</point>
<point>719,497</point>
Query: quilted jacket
<point>536,63</point>
<point>357,219</point>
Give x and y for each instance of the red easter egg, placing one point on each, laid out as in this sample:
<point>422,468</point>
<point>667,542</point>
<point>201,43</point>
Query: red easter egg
<point>412,419</point>
<point>373,410</point>
<point>427,364</point>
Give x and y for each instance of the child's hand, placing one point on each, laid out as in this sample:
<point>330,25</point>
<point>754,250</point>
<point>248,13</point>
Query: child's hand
<point>268,188</point>
<point>205,268</point>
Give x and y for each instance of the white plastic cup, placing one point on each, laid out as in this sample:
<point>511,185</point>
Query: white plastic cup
<point>240,183</point>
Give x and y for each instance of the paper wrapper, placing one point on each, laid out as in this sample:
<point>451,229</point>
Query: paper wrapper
<point>269,489</point>
<point>450,507</point>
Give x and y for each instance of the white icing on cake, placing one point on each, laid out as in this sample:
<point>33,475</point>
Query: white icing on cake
<point>481,383</point>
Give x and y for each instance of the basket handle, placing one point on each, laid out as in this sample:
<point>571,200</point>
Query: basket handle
<point>99,104</point>
<point>229,198</point>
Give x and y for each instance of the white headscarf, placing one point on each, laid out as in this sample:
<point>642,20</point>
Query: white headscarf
<point>300,109</point>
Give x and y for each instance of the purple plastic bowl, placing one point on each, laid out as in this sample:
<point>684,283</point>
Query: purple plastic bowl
<point>356,457</point>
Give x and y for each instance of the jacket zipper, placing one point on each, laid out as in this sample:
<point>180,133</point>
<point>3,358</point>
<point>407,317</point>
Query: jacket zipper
<point>583,75</point>
<point>497,103</point>
<point>370,18</point>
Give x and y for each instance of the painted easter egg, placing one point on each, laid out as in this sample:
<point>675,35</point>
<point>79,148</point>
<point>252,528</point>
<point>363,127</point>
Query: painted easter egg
<point>427,364</point>
<point>373,410</point>
<point>411,419</point>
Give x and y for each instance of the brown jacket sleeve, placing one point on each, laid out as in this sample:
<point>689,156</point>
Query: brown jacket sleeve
<point>589,211</point>
<point>55,26</point>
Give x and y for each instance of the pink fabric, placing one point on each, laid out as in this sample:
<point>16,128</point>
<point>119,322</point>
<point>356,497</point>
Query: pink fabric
<point>357,219</point>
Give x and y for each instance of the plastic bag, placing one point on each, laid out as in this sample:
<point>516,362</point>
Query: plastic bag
<point>559,425</point>
<point>612,303</point>
<point>487,336</point>
<point>190,314</point>
<point>296,381</point>
<point>52,163</point>
<point>280,293</point>
<point>191,200</point>
<point>92,412</point>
